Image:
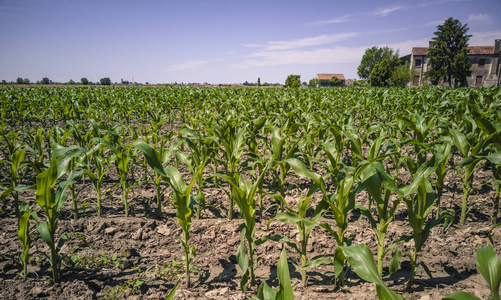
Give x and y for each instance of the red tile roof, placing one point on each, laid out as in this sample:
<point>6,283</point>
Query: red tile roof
<point>329,76</point>
<point>474,50</point>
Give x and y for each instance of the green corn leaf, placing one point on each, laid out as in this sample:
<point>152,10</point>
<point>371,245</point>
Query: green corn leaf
<point>293,218</point>
<point>461,296</point>
<point>285,290</point>
<point>361,260</point>
<point>172,292</point>
<point>43,229</point>
<point>265,292</point>
<point>460,142</point>
<point>489,265</point>
<point>152,157</point>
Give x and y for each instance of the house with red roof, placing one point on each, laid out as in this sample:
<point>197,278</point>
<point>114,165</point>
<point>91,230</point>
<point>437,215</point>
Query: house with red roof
<point>324,79</point>
<point>485,69</point>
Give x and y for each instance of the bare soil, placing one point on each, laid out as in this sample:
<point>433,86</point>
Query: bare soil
<point>118,250</point>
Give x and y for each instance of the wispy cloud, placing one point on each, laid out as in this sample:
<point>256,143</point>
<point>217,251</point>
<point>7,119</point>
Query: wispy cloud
<point>309,42</point>
<point>484,38</point>
<point>252,45</point>
<point>331,21</point>
<point>305,57</point>
<point>187,65</point>
<point>480,18</point>
<point>384,11</point>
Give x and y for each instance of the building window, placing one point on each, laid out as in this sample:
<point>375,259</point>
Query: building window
<point>479,80</point>
<point>481,62</point>
<point>415,81</point>
<point>417,63</point>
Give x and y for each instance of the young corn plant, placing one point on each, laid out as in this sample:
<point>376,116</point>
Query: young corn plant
<point>284,292</point>
<point>489,265</point>
<point>419,206</point>
<point>244,193</point>
<point>201,150</point>
<point>362,262</point>
<point>122,158</point>
<point>281,150</point>
<point>182,200</point>
<point>101,164</point>
<point>51,201</point>
<point>69,162</point>
<point>470,151</point>
<point>231,142</point>
<point>305,227</point>
<point>24,238</point>
<point>341,203</point>
<point>380,185</point>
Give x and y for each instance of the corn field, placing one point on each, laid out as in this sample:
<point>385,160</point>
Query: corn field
<point>238,193</point>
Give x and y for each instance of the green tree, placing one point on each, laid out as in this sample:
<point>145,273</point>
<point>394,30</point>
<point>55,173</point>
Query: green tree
<point>26,81</point>
<point>334,81</point>
<point>45,80</point>
<point>4,81</point>
<point>293,80</point>
<point>259,81</point>
<point>381,74</point>
<point>84,81</point>
<point>19,80</point>
<point>105,81</point>
<point>314,82</point>
<point>402,75</point>
<point>448,54</point>
<point>374,56</point>
<point>71,81</point>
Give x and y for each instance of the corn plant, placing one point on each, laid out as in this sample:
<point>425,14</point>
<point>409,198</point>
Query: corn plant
<point>304,226</point>
<point>201,151</point>
<point>101,164</point>
<point>244,193</point>
<point>182,200</point>
<point>24,238</point>
<point>360,259</point>
<point>419,206</point>
<point>470,151</point>
<point>341,203</point>
<point>493,131</point>
<point>380,185</point>
<point>51,201</point>
<point>231,141</point>
<point>284,291</point>
<point>122,159</point>
<point>281,150</point>
<point>68,161</point>
<point>489,265</point>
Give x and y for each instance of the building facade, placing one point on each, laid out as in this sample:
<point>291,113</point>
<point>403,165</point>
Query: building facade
<point>485,69</point>
<point>324,79</point>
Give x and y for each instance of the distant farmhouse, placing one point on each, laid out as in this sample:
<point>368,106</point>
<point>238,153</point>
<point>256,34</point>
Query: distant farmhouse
<point>324,79</point>
<point>124,82</point>
<point>485,69</point>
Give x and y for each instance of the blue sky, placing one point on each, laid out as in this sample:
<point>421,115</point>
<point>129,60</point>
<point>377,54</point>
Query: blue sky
<point>218,41</point>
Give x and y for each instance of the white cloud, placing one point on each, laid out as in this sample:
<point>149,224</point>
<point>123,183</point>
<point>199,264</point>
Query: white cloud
<point>384,11</point>
<point>335,55</point>
<point>484,38</point>
<point>252,45</point>
<point>313,57</point>
<point>331,21</point>
<point>308,42</point>
<point>480,18</point>
<point>231,52</point>
<point>187,65</point>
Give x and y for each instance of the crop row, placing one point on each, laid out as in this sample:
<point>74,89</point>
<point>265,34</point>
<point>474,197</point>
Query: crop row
<point>398,146</point>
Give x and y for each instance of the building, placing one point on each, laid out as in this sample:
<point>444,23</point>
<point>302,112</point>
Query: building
<point>324,79</point>
<point>485,69</point>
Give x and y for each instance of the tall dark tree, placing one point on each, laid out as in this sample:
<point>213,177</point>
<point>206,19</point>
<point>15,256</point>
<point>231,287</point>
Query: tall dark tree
<point>259,81</point>
<point>105,81</point>
<point>45,80</point>
<point>448,54</point>
<point>374,56</point>
<point>381,74</point>
<point>84,81</point>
